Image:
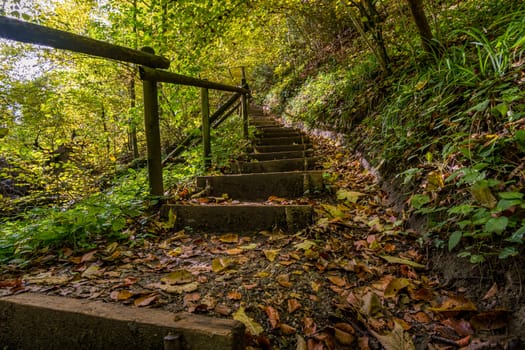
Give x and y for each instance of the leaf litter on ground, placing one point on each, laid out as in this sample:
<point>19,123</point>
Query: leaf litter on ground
<point>354,280</point>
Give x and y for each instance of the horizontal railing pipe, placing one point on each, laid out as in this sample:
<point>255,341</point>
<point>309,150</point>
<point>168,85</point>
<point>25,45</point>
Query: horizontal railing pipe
<point>14,29</point>
<point>174,78</point>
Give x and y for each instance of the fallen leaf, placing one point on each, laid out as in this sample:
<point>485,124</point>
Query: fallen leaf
<point>234,251</point>
<point>287,329</point>
<point>229,238</point>
<point>491,293</point>
<point>251,326</point>
<point>293,305</point>
<point>395,286</point>
<point>250,246</point>
<point>284,280</point>
<point>223,310</point>
<point>397,260</point>
<point>89,256</point>
<point>47,278</point>
<point>338,281</point>
<point>179,289</point>
<point>490,320</point>
<point>343,337</point>
<point>92,272</point>
<point>455,304</point>
<point>271,254</point>
<point>145,300</point>
<point>350,196</point>
<point>221,264</point>
<point>461,327</point>
<point>273,316</point>
<point>234,295</point>
<point>121,295</point>
<point>177,277</point>
<point>397,339</point>
<point>191,298</point>
<point>301,343</point>
<point>309,327</point>
<point>305,245</point>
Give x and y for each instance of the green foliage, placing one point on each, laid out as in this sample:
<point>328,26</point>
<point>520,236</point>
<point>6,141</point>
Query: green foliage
<point>81,226</point>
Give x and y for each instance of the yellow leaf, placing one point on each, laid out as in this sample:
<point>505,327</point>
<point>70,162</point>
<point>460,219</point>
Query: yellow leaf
<point>394,286</point>
<point>271,254</point>
<point>234,251</point>
<point>175,252</point>
<point>483,195</point>
<point>349,196</point>
<point>92,272</point>
<point>333,211</point>
<point>251,326</point>
<point>177,277</point>
<point>305,245</point>
<point>250,246</point>
<point>396,260</point>
<point>229,238</point>
<point>221,264</point>
<point>179,289</point>
<point>121,295</point>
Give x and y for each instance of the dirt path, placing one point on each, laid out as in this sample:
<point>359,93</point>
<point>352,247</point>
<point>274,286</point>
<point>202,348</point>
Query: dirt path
<point>356,279</point>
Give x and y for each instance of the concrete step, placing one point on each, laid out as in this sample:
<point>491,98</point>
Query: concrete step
<point>283,132</point>
<point>267,141</point>
<point>247,217</point>
<point>40,322</point>
<point>261,186</point>
<point>262,123</point>
<point>272,166</point>
<point>280,155</point>
<point>282,148</point>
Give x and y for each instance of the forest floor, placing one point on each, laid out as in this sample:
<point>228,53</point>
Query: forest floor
<point>359,278</point>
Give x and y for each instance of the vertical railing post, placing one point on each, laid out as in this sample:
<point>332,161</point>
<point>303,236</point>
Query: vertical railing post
<point>244,105</point>
<point>206,142</point>
<point>152,128</point>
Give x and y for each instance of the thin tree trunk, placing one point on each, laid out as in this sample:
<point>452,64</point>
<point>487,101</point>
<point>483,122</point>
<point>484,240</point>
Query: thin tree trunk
<point>418,12</point>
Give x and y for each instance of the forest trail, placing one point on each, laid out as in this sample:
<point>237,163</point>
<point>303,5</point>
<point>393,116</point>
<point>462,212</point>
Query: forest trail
<point>263,192</point>
<point>356,277</point>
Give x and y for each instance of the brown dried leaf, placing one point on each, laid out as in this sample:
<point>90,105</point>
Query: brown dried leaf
<point>338,281</point>
<point>287,329</point>
<point>89,256</point>
<point>273,316</point>
<point>491,293</point>
<point>293,305</point>
<point>309,327</point>
<point>234,295</point>
<point>395,286</point>
<point>145,300</point>
<point>284,280</point>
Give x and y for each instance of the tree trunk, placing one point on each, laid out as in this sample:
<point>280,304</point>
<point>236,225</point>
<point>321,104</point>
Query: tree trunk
<point>418,12</point>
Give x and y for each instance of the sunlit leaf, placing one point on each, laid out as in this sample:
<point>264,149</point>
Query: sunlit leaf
<point>221,264</point>
<point>251,326</point>
<point>271,254</point>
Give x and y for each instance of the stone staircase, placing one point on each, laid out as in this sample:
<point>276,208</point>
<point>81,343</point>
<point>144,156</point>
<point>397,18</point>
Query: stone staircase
<point>279,165</point>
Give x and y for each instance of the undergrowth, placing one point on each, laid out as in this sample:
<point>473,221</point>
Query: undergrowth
<point>451,128</point>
